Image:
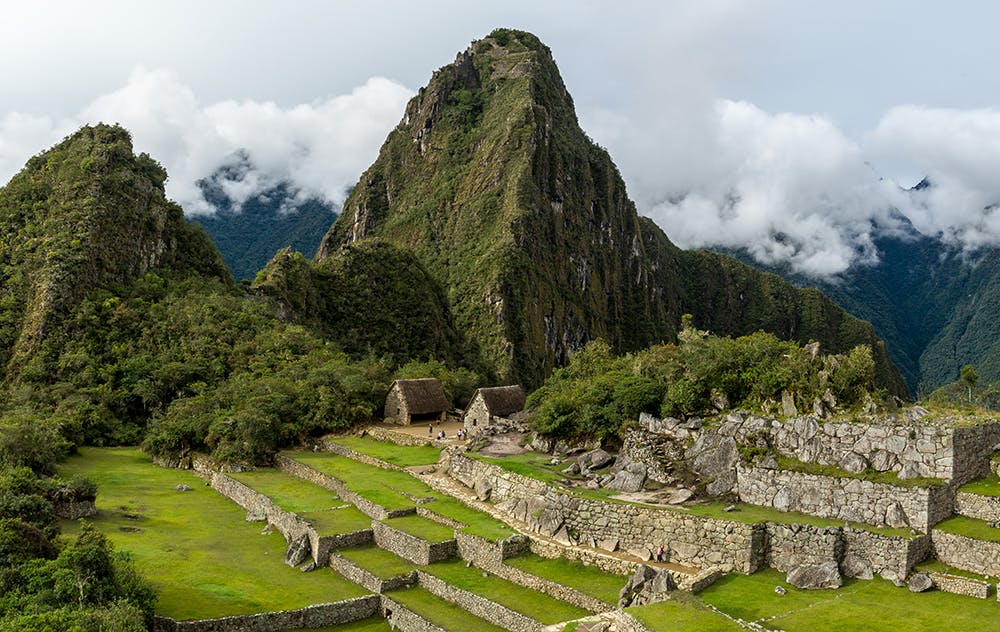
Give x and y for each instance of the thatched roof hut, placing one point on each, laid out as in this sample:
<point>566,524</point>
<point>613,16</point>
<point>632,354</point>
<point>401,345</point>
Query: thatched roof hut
<point>416,401</point>
<point>489,404</point>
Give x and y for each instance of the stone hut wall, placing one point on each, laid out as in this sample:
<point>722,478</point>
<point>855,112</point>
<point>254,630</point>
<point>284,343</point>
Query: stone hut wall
<point>410,547</point>
<point>317,616</point>
<point>977,506</point>
<point>978,556</point>
<point>850,499</point>
<point>479,606</point>
<point>477,414</point>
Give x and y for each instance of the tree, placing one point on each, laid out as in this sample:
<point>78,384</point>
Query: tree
<point>969,378</point>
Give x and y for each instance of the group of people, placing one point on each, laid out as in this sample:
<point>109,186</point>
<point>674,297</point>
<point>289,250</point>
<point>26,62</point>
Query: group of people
<point>441,435</point>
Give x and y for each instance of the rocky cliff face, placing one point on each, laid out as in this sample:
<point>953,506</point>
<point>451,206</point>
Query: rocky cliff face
<point>86,214</point>
<point>527,225</point>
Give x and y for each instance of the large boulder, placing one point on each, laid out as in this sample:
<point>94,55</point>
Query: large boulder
<point>895,517</point>
<point>854,463</point>
<point>628,479</point>
<point>856,567</point>
<point>595,459</point>
<point>920,582</point>
<point>299,550</point>
<point>815,576</point>
<point>484,488</point>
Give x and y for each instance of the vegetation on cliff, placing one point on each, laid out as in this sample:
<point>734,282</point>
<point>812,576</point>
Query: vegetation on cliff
<point>598,393</point>
<point>527,226</point>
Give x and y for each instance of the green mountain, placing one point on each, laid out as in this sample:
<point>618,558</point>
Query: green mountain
<point>933,305</point>
<point>248,235</point>
<point>527,226</point>
<point>84,215</point>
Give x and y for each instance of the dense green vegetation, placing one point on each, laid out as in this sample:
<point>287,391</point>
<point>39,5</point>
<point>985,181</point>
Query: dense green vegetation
<point>526,225</point>
<point>598,392</point>
<point>50,583</point>
<point>968,394</point>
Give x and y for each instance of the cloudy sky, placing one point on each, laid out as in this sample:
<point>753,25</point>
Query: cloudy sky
<point>790,127</point>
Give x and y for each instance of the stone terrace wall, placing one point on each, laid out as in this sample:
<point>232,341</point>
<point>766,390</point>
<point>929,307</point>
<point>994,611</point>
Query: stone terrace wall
<point>370,580</point>
<point>402,618</point>
<point>318,616</point>
<point>364,505</point>
<point>394,436</point>
<point>690,540</point>
<point>886,554</point>
<point>972,451</point>
<point>977,506</point>
<point>479,606</point>
<point>607,563</point>
<point>961,585</point>
<point>793,545</point>
<point>967,554</point>
<point>484,553</point>
<point>851,499</point>
<point>410,547</point>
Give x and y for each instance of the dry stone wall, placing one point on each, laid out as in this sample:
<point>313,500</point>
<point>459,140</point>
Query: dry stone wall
<point>364,505</point>
<point>973,447</point>
<point>961,585</point>
<point>317,616</point>
<point>394,436</point>
<point>370,580</point>
<point>885,554</point>
<point>410,547</point>
<point>977,556</point>
<point>402,618</point>
<point>789,546</point>
<point>850,499</point>
<point>978,506</point>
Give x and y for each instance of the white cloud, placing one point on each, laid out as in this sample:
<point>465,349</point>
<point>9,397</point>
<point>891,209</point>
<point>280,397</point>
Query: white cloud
<point>959,152</point>
<point>320,147</point>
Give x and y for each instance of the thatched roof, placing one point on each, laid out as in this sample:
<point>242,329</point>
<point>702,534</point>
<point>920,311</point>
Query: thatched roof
<point>422,396</point>
<point>503,400</point>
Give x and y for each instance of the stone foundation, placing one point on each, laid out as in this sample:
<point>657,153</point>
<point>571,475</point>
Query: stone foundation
<point>318,616</point>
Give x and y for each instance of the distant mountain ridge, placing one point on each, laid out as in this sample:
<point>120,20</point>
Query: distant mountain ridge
<point>526,225</point>
<point>935,306</point>
<point>248,235</point>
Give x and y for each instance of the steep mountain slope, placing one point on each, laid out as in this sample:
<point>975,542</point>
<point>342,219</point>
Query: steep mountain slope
<point>527,225</point>
<point>86,214</point>
<point>935,307</point>
<point>249,234</point>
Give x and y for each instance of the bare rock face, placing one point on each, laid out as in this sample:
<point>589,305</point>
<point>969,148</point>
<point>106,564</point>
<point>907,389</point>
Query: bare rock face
<point>645,586</point>
<point>628,479</point>
<point>856,567</point>
<point>920,582</point>
<point>299,550</point>
<point>483,489</point>
<point>815,576</point>
<point>595,459</point>
<point>713,457</point>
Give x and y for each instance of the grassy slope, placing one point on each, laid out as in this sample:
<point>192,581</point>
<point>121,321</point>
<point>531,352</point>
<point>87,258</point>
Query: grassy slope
<point>589,580</point>
<point>378,561</point>
<point>403,456</point>
<point>195,547</point>
<point>440,612</point>
<point>870,606</point>
<point>422,528</point>
<point>682,613</point>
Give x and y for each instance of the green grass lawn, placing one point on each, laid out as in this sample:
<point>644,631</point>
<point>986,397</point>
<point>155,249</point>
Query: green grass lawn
<point>291,493</point>
<point>195,547</point>
<point>423,528</point>
<point>589,580</point>
<point>531,603</point>
<point>379,562</point>
<point>374,624</point>
<point>938,566</point>
<point>336,521</point>
<point>387,487</point>
<point>971,527</point>
<point>403,456</point>
<point>444,614</point>
<point>682,612</point>
<point>985,486</point>
<point>875,605</point>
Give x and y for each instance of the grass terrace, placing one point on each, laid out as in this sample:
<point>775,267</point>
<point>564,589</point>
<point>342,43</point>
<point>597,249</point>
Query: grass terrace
<point>289,492</point>
<point>937,566</point>
<point>531,603</point>
<point>403,456</point>
<point>589,580</point>
<point>681,612</point>
<point>885,478</point>
<point>444,614</point>
<point>969,527</point>
<point>985,486</point>
<point>873,605</point>
<point>379,562</point>
<point>195,547</point>
<point>374,624</point>
<point>422,528</point>
<point>387,488</point>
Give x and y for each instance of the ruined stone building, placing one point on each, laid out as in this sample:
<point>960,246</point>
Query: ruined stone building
<point>489,404</point>
<point>416,401</point>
